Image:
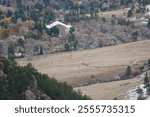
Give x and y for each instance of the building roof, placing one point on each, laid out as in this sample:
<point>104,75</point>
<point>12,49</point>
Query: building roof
<point>58,23</point>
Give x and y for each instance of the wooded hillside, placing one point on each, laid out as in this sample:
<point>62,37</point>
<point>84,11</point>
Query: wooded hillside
<point>26,83</point>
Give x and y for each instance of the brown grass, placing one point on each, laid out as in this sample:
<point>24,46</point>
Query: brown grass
<point>77,67</point>
<point>117,13</point>
<point>80,67</point>
<point>109,91</point>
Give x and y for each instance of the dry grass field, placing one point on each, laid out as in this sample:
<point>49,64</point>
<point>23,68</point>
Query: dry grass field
<point>111,90</point>
<point>117,13</point>
<point>80,67</point>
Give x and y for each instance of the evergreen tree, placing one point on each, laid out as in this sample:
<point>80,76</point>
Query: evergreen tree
<point>148,24</point>
<point>49,16</point>
<point>54,32</point>
<point>146,81</point>
<point>19,79</point>
<point>130,13</point>
<point>148,90</point>
<point>19,3</point>
<point>38,6</point>
<point>149,62</point>
<point>75,45</point>
<point>72,37</point>
<point>71,30</point>
<point>129,71</point>
<point>140,93</point>
<point>20,42</point>
<point>41,51</point>
<point>123,22</point>
<point>67,47</point>
<point>46,2</point>
<point>11,51</point>
<point>135,35</point>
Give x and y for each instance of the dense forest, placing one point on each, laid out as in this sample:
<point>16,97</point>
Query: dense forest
<point>20,83</point>
<point>23,24</point>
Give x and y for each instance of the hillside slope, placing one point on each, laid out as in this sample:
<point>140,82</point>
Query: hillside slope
<point>26,83</point>
<point>81,67</point>
<point>111,90</point>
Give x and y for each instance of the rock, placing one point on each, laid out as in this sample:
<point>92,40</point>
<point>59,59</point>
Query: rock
<point>2,75</point>
<point>34,93</point>
<point>29,95</point>
<point>44,97</point>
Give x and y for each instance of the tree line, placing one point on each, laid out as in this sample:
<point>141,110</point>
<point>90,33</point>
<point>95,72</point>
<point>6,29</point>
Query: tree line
<point>19,78</point>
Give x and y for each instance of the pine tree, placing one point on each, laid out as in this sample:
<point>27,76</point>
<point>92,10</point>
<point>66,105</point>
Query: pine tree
<point>11,51</point>
<point>67,47</point>
<point>149,62</point>
<point>19,3</point>
<point>18,80</point>
<point>140,93</point>
<point>135,35</point>
<point>148,24</point>
<point>148,90</point>
<point>129,71</point>
<point>41,51</point>
<point>130,13</point>
<point>46,2</point>
<point>146,81</point>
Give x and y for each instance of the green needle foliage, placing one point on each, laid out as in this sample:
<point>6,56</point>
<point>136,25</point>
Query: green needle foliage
<point>19,78</point>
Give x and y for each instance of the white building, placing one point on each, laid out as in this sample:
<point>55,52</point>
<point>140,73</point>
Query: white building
<point>63,28</point>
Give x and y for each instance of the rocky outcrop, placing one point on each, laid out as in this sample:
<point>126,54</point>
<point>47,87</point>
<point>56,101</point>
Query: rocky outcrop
<point>33,93</point>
